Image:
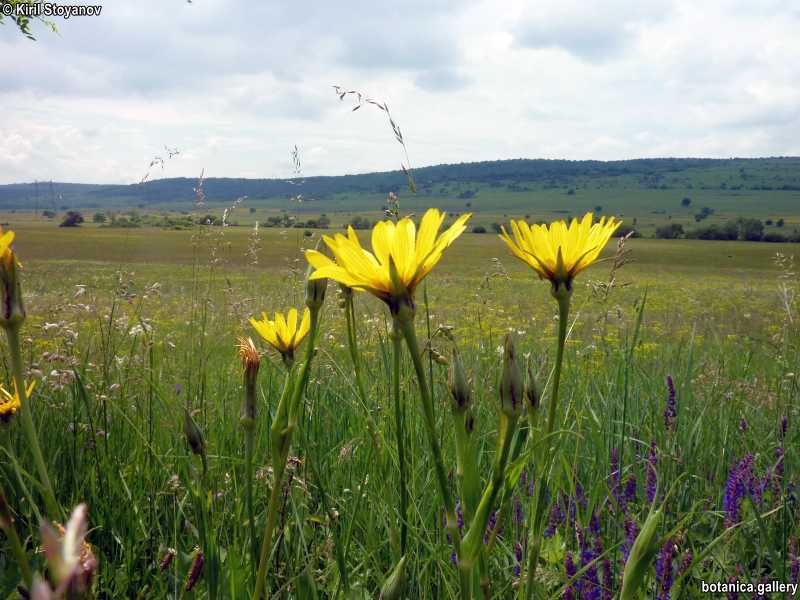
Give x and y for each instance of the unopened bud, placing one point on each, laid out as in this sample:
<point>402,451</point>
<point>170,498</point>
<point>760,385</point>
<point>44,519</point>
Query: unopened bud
<point>457,383</point>
<point>195,571</point>
<point>511,388</point>
<point>315,292</point>
<point>193,436</point>
<point>532,391</point>
<point>167,559</point>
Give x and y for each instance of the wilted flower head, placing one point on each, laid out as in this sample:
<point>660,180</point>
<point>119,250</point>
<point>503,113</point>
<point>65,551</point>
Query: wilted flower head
<point>246,350</point>
<point>284,334</point>
<point>10,403</point>
<point>69,557</point>
<point>558,252</point>
<point>401,257</point>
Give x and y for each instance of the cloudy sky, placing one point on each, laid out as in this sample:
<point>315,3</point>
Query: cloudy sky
<point>235,85</point>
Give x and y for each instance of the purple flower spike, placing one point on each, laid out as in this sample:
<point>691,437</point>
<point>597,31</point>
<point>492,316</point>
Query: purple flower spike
<point>652,474</point>
<point>518,559</point>
<point>569,567</point>
<point>671,409</point>
<point>738,484</point>
<point>664,571</point>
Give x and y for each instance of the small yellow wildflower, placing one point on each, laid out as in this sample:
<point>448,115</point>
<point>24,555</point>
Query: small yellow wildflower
<point>283,334</point>
<point>401,256</point>
<point>12,310</point>
<point>10,403</point>
<point>559,252</point>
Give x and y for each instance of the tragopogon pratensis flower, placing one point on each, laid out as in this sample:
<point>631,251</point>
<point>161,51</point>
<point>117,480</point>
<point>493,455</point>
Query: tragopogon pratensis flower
<point>10,403</point>
<point>558,252</point>
<point>401,257</point>
<point>283,334</point>
<point>12,310</point>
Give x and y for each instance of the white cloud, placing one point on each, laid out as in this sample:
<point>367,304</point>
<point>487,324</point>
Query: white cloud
<point>235,89</point>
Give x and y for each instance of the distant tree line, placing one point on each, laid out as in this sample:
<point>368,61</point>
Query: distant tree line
<point>748,230</point>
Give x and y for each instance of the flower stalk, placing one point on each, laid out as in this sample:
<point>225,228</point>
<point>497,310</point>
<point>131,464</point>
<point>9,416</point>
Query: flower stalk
<point>562,293</point>
<point>397,350</point>
<point>283,427</point>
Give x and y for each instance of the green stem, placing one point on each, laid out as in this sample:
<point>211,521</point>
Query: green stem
<point>352,344</point>
<point>397,341</point>
<point>563,298</point>
<point>266,543</point>
<point>410,335</point>
<point>53,508</point>
<point>281,450</point>
<point>248,454</point>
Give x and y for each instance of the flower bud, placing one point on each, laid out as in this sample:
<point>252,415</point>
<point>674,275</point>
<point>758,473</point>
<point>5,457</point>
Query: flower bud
<point>195,571</point>
<point>12,308</point>
<point>532,391</point>
<point>511,387</point>
<point>250,363</point>
<point>194,437</point>
<point>458,384</point>
<point>315,292</point>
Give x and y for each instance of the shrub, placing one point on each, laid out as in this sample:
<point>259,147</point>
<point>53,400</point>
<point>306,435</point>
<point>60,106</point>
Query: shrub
<point>72,219</point>
<point>478,229</point>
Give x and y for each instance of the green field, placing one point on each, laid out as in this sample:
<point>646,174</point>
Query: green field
<point>126,327</point>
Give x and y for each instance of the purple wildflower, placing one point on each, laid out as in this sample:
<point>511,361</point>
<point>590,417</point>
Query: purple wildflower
<point>630,490</point>
<point>459,516</point>
<point>795,565</point>
<point>569,567</point>
<point>589,586</point>
<point>631,531</point>
<point>523,479</point>
<point>743,424</point>
<point>556,518</point>
<point>607,592</point>
<point>594,524</point>
<point>686,562</point>
<point>732,595</point>
<point>777,472</point>
<point>519,515</point>
<point>784,426</point>
<point>652,475</point>
<point>739,479</point>
<point>518,559</point>
<point>664,571</point>
<point>490,526</point>
<point>671,409</point>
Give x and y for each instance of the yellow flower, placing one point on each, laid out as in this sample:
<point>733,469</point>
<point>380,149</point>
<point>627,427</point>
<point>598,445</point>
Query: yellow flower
<point>401,256</point>
<point>558,252</point>
<point>10,403</point>
<point>12,309</point>
<point>6,253</point>
<point>283,334</point>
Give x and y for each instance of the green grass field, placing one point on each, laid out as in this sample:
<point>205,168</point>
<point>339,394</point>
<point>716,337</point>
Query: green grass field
<point>125,328</point>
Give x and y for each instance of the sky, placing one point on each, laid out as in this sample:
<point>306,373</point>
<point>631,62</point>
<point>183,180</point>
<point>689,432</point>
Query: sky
<point>234,86</point>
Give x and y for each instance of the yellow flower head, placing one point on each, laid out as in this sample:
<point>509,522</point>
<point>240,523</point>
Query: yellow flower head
<point>283,334</point>
<point>401,256</point>
<point>6,253</point>
<point>10,403</point>
<point>559,252</point>
<point>12,309</point>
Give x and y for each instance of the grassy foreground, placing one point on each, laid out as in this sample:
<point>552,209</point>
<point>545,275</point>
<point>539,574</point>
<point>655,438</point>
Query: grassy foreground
<point>126,329</point>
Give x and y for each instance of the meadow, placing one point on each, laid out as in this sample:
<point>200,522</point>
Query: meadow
<point>129,330</point>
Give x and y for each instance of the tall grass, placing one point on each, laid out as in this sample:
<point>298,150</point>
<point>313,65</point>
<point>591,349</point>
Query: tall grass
<point>118,364</point>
